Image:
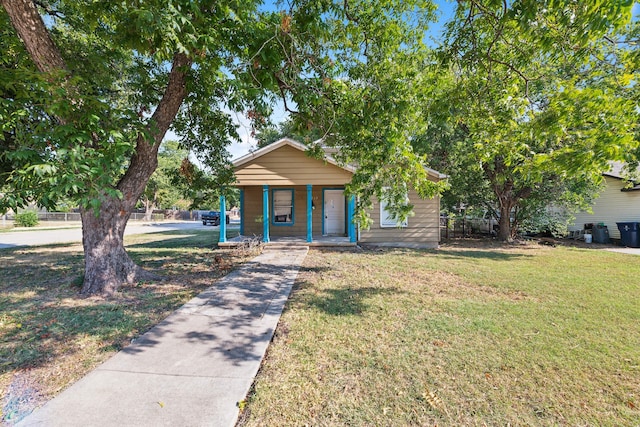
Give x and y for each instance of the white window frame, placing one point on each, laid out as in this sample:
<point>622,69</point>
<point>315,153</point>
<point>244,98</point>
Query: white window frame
<point>387,221</point>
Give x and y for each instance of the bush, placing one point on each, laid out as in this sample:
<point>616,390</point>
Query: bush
<point>550,224</point>
<point>26,219</point>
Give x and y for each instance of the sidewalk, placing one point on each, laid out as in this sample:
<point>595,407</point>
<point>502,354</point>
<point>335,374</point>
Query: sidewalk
<point>193,367</point>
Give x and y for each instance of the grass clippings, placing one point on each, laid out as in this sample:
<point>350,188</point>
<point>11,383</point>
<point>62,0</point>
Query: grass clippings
<point>50,336</point>
<point>499,335</point>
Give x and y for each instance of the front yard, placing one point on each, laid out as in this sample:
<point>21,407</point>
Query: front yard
<point>51,337</point>
<point>525,335</point>
<point>484,335</point>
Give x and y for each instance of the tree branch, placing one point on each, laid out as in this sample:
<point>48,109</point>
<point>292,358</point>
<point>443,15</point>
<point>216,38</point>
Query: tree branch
<point>49,10</point>
<point>30,27</point>
<point>172,99</point>
<point>145,159</point>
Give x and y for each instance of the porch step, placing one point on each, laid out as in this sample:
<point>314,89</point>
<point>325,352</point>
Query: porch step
<point>285,246</point>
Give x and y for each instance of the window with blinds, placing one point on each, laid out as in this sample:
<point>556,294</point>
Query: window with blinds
<point>283,207</point>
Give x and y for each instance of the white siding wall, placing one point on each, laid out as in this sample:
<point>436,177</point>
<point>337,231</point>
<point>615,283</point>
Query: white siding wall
<point>612,206</point>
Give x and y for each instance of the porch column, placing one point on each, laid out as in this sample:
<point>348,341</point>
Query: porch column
<point>223,219</point>
<point>241,212</point>
<point>351,207</point>
<point>265,213</point>
<point>309,213</point>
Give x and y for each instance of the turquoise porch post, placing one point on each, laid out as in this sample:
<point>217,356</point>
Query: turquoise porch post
<point>223,219</point>
<point>309,213</point>
<point>265,213</point>
<point>351,207</point>
<point>242,212</point>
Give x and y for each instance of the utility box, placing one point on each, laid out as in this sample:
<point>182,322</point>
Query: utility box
<point>600,234</point>
<point>629,234</point>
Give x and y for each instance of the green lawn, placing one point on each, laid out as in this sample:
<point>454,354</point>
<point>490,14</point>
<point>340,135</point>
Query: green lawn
<point>50,336</point>
<point>526,335</point>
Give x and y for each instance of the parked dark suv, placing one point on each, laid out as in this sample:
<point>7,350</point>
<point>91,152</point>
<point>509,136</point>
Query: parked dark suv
<point>213,218</point>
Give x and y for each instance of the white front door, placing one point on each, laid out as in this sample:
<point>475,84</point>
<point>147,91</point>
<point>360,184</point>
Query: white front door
<point>334,216</point>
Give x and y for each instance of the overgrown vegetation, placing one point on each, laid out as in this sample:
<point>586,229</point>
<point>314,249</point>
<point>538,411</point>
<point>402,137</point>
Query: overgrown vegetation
<point>492,335</point>
<point>50,336</point>
<point>26,219</point>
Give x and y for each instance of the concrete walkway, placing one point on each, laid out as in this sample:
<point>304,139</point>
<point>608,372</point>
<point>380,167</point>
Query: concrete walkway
<point>629,251</point>
<point>193,367</point>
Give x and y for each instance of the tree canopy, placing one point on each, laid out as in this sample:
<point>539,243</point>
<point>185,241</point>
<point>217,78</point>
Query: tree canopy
<point>533,100</point>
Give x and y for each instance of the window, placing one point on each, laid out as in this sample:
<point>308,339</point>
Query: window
<point>283,207</point>
<point>387,220</point>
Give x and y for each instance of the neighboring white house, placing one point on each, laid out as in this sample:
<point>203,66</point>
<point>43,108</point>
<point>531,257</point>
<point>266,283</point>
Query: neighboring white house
<point>617,203</point>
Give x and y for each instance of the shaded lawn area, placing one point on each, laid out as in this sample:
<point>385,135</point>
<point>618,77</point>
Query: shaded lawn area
<point>525,335</point>
<point>51,337</point>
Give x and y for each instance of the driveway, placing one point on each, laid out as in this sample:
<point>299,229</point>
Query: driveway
<point>40,236</point>
<point>630,251</point>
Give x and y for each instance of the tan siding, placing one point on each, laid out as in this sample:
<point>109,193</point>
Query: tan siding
<point>316,220</point>
<point>290,166</point>
<point>253,210</point>
<point>424,226</point>
<point>612,206</point>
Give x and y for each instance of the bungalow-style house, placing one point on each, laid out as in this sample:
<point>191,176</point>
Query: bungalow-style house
<point>287,195</point>
<point>617,202</point>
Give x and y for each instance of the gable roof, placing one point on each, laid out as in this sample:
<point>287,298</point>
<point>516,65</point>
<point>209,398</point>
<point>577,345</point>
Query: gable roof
<point>282,142</point>
<point>299,146</point>
<point>616,170</point>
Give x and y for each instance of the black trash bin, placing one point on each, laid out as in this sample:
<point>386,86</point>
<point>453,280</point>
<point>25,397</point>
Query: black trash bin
<point>600,234</point>
<point>629,234</point>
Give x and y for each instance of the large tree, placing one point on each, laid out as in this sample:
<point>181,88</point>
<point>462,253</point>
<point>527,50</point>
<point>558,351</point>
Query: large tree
<point>104,81</point>
<point>532,102</point>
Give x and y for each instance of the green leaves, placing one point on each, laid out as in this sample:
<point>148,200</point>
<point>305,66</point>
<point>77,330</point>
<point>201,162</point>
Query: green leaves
<point>537,98</point>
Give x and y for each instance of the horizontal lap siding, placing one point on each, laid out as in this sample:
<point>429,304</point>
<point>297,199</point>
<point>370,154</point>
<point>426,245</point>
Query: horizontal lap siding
<point>423,228</point>
<point>253,210</point>
<point>290,166</point>
<point>610,207</point>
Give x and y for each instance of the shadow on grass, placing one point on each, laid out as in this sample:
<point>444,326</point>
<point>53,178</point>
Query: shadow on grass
<point>48,330</point>
<point>40,302</point>
<point>489,253</point>
<point>344,301</point>
<point>475,254</point>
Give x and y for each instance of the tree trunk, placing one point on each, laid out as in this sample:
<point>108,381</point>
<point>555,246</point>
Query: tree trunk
<point>504,224</point>
<point>107,263</point>
<point>149,207</point>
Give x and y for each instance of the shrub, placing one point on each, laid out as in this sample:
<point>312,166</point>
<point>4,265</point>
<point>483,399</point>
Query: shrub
<point>26,219</point>
<point>546,223</point>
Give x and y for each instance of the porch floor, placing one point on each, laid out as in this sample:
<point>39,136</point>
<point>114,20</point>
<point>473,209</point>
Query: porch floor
<point>326,241</point>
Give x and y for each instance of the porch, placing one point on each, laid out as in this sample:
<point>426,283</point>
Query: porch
<point>317,241</point>
<point>316,215</point>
